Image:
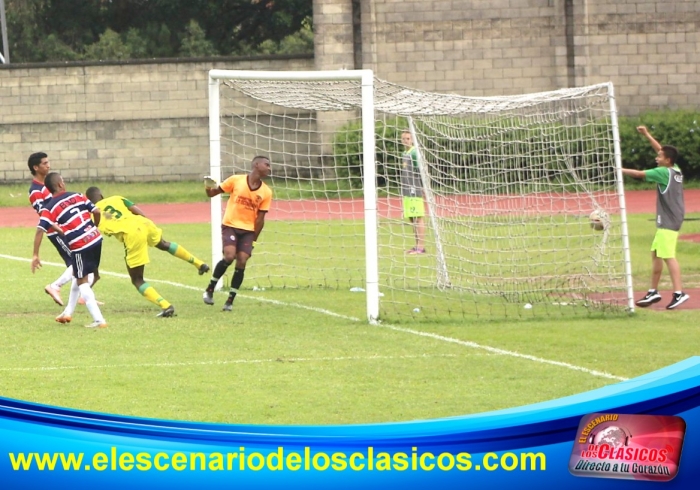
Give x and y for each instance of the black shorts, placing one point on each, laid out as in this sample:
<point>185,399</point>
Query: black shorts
<point>241,239</point>
<point>62,248</point>
<point>87,260</point>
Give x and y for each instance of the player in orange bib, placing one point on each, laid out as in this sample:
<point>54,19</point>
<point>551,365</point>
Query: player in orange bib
<point>244,219</point>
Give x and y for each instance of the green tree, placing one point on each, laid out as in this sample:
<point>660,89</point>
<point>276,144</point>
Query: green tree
<point>136,43</point>
<point>195,43</point>
<point>80,28</point>
<point>300,42</point>
<point>109,47</point>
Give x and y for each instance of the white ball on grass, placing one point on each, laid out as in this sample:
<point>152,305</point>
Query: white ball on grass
<point>527,306</point>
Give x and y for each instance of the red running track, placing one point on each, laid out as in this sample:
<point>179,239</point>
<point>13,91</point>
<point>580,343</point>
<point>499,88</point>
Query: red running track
<point>637,202</point>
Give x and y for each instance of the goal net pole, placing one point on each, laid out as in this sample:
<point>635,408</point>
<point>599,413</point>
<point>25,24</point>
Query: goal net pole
<point>215,170</point>
<point>369,182</point>
<point>621,197</point>
<point>443,277</point>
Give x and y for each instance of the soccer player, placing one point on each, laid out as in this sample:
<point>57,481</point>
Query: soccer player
<point>244,219</point>
<point>126,222</point>
<point>70,212</point>
<point>40,166</point>
<point>670,212</point>
<point>412,192</point>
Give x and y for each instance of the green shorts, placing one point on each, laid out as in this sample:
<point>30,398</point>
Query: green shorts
<point>413,207</point>
<point>664,243</point>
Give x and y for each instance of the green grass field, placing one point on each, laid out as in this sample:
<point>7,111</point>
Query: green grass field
<point>305,355</point>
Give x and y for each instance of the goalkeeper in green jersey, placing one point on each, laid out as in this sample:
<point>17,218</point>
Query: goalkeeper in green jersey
<point>412,192</point>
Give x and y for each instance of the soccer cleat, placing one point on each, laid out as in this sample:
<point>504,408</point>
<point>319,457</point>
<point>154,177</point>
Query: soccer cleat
<point>81,301</point>
<point>208,297</point>
<point>203,269</point>
<point>678,299</point>
<point>650,298</point>
<point>63,318</point>
<point>227,307</point>
<point>416,251</point>
<point>167,312</point>
<point>101,324</point>
<point>55,294</point>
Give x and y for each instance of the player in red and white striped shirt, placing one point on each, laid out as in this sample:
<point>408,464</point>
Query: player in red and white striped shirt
<point>71,212</point>
<point>40,166</point>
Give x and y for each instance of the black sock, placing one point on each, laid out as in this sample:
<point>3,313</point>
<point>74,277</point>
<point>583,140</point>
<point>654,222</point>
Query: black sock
<point>236,282</point>
<point>219,271</point>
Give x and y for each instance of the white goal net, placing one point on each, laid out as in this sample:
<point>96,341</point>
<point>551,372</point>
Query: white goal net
<point>435,205</point>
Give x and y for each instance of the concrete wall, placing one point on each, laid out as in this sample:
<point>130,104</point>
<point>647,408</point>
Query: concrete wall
<point>649,49</point>
<point>125,122</point>
<point>141,121</point>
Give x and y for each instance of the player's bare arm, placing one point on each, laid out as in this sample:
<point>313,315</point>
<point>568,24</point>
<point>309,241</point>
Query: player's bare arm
<point>96,216</point>
<point>630,172</point>
<point>137,211</point>
<point>36,262</point>
<point>645,132</point>
<point>215,191</point>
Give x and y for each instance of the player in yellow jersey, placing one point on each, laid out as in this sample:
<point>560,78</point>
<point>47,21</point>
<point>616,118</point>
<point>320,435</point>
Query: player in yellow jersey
<point>124,220</point>
<point>244,219</point>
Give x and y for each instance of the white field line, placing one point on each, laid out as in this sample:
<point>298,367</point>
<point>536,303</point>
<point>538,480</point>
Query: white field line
<point>224,363</point>
<point>465,343</point>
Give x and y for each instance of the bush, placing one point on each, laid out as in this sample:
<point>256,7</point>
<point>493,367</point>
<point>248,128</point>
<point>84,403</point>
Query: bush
<point>347,150</point>
<point>677,128</point>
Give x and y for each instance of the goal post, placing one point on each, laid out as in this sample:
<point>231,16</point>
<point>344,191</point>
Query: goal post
<point>509,184</point>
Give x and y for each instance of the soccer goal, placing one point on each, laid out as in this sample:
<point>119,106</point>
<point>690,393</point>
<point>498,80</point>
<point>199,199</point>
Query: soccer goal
<point>435,205</point>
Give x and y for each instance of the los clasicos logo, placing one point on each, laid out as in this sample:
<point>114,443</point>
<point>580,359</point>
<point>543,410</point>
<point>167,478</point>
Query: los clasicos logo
<point>628,446</point>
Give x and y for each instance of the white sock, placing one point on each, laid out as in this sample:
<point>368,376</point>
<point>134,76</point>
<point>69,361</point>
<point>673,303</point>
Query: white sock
<point>72,299</point>
<point>89,297</point>
<point>63,278</point>
<point>91,279</point>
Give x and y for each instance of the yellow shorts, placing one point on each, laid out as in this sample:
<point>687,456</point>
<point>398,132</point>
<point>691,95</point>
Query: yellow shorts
<point>413,207</point>
<point>136,242</point>
<point>664,243</point>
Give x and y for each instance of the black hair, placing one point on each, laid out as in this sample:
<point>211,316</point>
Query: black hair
<point>51,181</point>
<point>94,194</point>
<point>35,160</point>
<point>671,152</point>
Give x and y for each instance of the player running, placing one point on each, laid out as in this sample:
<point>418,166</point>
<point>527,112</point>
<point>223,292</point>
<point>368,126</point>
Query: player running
<point>244,219</point>
<point>70,212</point>
<point>126,222</point>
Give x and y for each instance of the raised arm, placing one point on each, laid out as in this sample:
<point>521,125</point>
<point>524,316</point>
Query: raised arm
<point>645,132</point>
